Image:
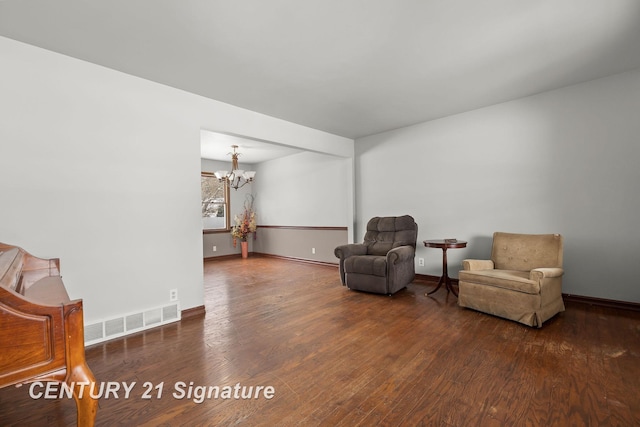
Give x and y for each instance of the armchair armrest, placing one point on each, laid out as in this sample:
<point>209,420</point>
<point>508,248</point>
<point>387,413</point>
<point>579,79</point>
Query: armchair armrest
<point>401,268</point>
<point>477,264</point>
<point>400,254</point>
<point>345,251</point>
<point>542,273</point>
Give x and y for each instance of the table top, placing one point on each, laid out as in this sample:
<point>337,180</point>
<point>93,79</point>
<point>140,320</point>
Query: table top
<point>443,243</point>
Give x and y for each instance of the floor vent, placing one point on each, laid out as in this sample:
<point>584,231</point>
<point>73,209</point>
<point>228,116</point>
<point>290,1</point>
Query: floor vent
<point>130,323</point>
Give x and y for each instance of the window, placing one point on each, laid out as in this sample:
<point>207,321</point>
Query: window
<point>215,203</point>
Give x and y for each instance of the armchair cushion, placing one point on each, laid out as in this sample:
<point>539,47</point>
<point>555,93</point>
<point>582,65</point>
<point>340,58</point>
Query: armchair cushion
<point>375,265</point>
<point>506,279</point>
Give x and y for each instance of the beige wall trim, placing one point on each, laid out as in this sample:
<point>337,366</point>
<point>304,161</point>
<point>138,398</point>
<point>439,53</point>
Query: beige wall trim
<point>297,227</point>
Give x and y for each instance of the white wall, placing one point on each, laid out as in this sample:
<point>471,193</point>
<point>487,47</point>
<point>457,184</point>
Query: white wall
<point>564,162</point>
<point>305,189</point>
<point>102,169</point>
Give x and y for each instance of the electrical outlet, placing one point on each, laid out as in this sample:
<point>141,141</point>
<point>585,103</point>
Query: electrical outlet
<point>313,250</point>
<point>421,262</point>
<point>173,295</point>
<point>215,248</point>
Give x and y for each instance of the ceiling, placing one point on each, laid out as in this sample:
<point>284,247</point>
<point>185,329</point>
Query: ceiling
<point>348,67</point>
<point>217,146</point>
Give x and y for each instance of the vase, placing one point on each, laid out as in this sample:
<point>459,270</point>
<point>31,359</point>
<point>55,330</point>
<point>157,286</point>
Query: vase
<point>245,249</point>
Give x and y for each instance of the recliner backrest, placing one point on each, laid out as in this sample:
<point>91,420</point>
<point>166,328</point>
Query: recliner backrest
<point>386,233</point>
<point>524,252</point>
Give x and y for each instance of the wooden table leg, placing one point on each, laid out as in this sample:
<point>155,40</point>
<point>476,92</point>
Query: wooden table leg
<point>440,282</point>
<point>445,276</point>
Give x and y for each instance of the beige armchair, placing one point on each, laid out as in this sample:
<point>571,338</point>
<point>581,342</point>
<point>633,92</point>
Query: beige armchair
<point>522,281</point>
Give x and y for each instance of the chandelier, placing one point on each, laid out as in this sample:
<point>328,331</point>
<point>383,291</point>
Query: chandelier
<point>237,178</point>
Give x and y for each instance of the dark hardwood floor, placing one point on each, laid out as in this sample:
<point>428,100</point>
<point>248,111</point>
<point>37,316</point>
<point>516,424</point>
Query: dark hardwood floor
<point>341,358</point>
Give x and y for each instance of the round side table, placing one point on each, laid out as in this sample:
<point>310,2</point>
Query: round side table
<point>444,245</point>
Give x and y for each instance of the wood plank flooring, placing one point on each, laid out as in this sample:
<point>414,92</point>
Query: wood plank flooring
<point>340,358</point>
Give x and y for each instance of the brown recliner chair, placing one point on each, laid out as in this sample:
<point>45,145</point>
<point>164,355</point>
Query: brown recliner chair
<point>522,281</point>
<point>384,262</point>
